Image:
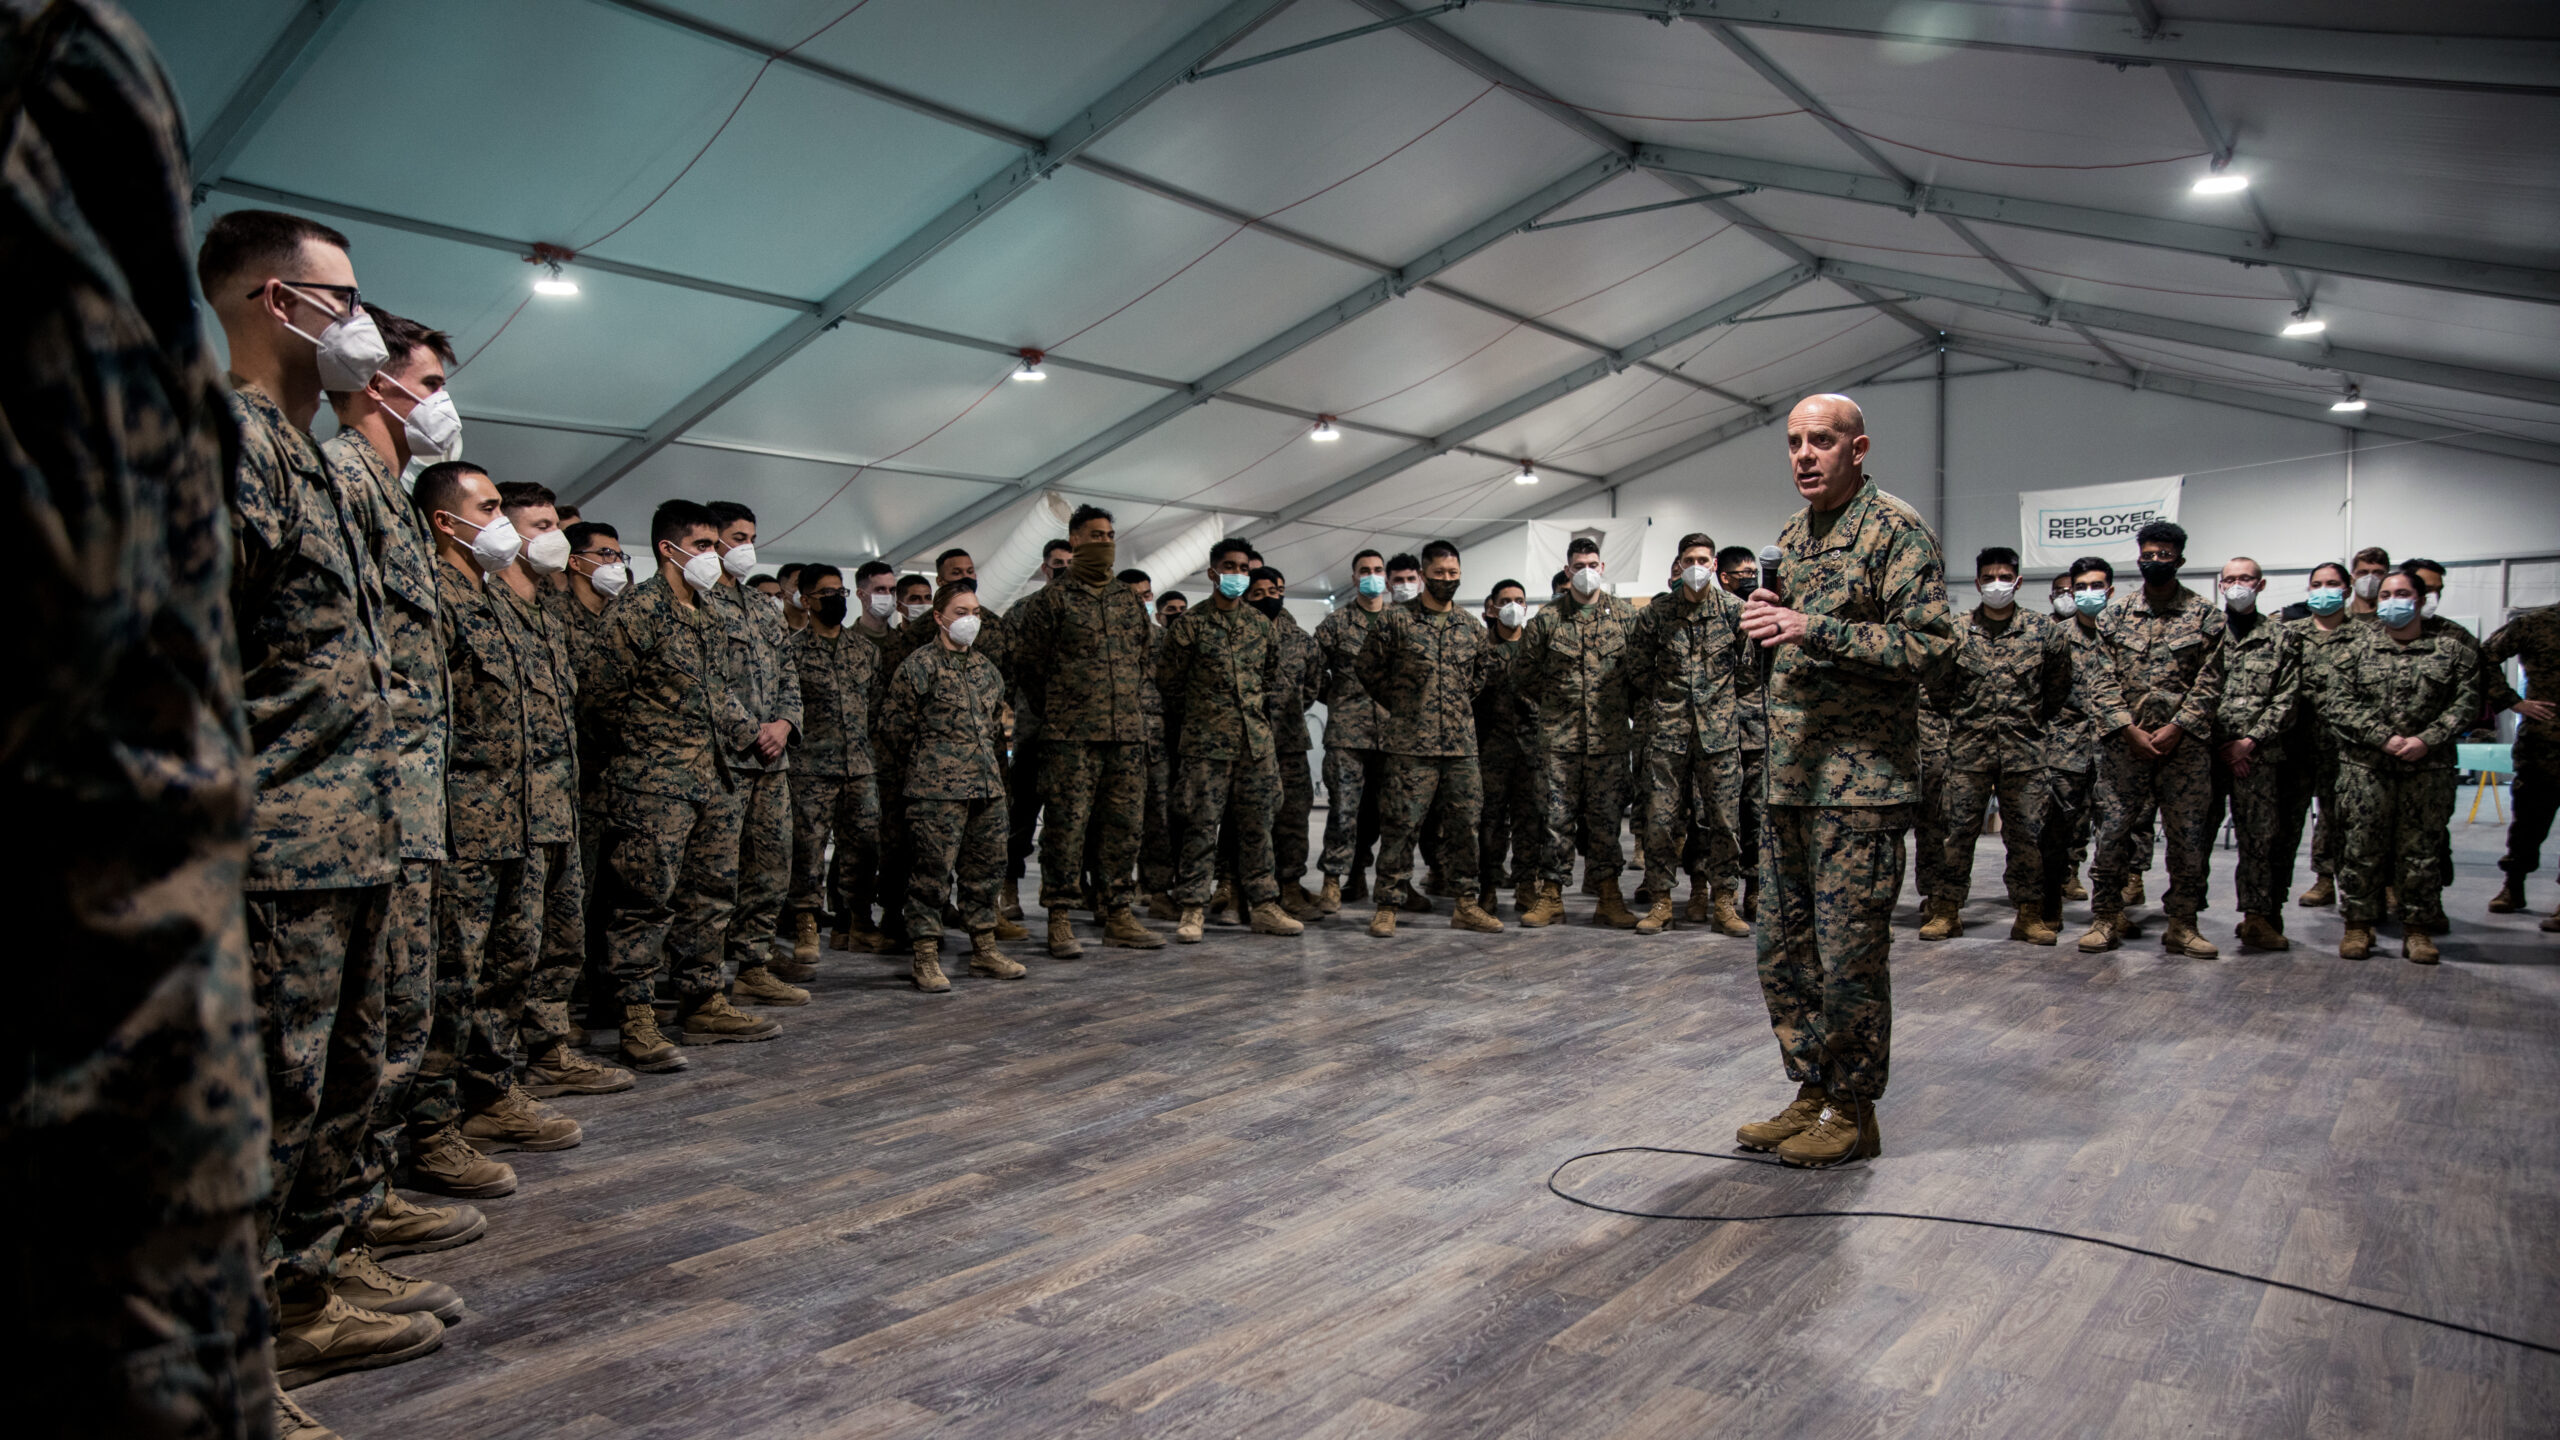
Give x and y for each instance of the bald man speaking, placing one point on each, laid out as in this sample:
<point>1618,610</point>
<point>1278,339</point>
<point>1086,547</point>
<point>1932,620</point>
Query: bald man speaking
<point>1853,618</point>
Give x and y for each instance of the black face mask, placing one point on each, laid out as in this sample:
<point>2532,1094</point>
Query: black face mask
<point>830,610</point>
<point>2160,572</point>
<point>1440,591</point>
<point>1269,605</point>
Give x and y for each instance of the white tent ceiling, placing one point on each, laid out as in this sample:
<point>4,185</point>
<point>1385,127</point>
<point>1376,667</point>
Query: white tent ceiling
<point>1213,264</point>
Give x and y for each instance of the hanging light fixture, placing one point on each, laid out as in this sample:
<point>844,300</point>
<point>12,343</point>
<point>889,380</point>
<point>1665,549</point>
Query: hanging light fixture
<point>554,283</point>
<point>1324,433</point>
<point>2303,325</point>
<point>1031,366</point>
<point>2352,404</point>
<point>1528,474</point>
<point>2222,183</point>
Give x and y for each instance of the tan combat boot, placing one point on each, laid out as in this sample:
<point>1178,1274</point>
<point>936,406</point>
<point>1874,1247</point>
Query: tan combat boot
<point>644,1046</point>
<point>715,1021</point>
<point>401,1226</point>
<point>864,936</point>
<point>842,938</point>
<point>2133,891</point>
<point>368,1284</point>
<point>1751,899</point>
<point>1188,931</point>
<point>1545,908</point>
<point>1010,930</point>
<point>2356,943</point>
<point>2105,933</point>
<point>2259,932</point>
<point>295,1423</point>
<point>1797,1118</point>
<point>1063,944</point>
<point>1729,921</point>
<point>1121,927</point>
<point>804,937</point>
<point>986,959</point>
<point>1942,923</point>
<point>1701,908</point>
<point>2418,947</point>
<point>562,1070</point>
<point>1613,907</point>
<point>1222,905</point>
<point>2030,926</point>
<point>2509,899</point>
<point>329,1337</point>
<point>2181,938</point>
<point>1160,906</point>
<point>1011,908</point>
<point>1382,925</point>
<point>517,1121</point>
<point>2072,889</point>
<point>1656,919</point>
<point>2323,891</point>
<point>758,985</point>
<point>1418,903</point>
<point>1300,904</point>
<point>1330,901</point>
<point>446,1164</point>
<point>926,968</point>
<point>1472,916</point>
<point>1269,919</point>
<point>1847,1131</point>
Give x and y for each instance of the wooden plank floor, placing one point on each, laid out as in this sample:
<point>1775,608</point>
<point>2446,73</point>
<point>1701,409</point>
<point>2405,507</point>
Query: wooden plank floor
<point>1269,1188</point>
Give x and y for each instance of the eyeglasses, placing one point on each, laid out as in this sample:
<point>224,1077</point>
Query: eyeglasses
<point>353,297</point>
<point>603,557</point>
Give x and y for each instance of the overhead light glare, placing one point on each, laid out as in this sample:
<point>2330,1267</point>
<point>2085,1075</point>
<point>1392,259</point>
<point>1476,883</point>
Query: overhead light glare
<point>2225,183</point>
<point>1528,474</point>
<point>1325,433</point>
<point>555,283</point>
<point>2352,404</point>
<point>2304,326</point>
<point>1031,366</point>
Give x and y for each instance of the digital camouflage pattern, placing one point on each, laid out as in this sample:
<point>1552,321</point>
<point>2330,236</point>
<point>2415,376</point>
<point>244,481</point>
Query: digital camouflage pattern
<point>943,718</point>
<point>1690,662</point>
<point>1692,799</point>
<point>1931,823</point>
<point>670,887</point>
<point>959,855</point>
<point>537,1004</point>
<point>1299,684</point>
<point>412,627</point>
<point>2009,683</point>
<point>1582,799</point>
<point>2533,637</point>
<point>2261,693</point>
<point>1217,670</point>
<point>767,685</point>
<point>1573,667</point>
<point>486,786</point>
<point>1440,796</point>
<point>2394,813</point>
<point>1155,838</point>
<point>550,717</point>
<point>2320,652</point>
<point>1425,669</point>
<point>134,1293</point>
<point>2153,665</point>
<point>1515,811</point>
<point>1081,653</point>
<point>834,790</point>
<point>1352,719</point>
<point>1829,876</point>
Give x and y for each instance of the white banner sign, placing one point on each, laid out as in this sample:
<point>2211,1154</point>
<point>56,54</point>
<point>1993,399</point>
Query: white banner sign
<point>2056,527</point>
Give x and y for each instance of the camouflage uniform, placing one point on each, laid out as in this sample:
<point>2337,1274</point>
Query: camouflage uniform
<point>136,1148</point>
<point>584,630</point>
<point>1572,667</point>
<point>2070,775</point>
<point>2010,678</point>
<point>1353,763</point>
<point>1217,668</point>
<point>1689,657</point>
<point>1843,780</point>
<point>942,716</point>
<point>403,554</point>
<point>1155,841</point>
<point>2312,772</point>
<point>536,1008</point>
<point>834,790</point>
<point>896,853</point>
<point>767,686</point>
<point>1081,654</point>
<point>2394,814</point>
<point>1290,696</point>
<point>673,807</point>
<point>1425,670</point>
<point>2535,636</point>
<point>1515,811</point>
<point>2261,684</point>
<point>2153,666</point>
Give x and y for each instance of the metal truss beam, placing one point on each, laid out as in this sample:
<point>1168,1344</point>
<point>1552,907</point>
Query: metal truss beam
<point>2311,52</point>
<point>2513,282</point>
<point>2308,353</point>
<point>308,32</point>
<point>1089,126</point>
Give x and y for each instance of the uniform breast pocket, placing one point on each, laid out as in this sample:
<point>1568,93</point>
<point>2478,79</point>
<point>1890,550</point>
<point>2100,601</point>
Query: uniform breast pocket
<point>2186,654</point>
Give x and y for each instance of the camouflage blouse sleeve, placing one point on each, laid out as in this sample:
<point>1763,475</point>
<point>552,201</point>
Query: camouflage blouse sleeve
<point>2093,664</point>
<point>2196,711</point>
<point>1921,634</point>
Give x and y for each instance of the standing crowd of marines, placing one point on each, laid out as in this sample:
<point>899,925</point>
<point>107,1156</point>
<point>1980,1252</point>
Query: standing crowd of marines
<point>372,785</point>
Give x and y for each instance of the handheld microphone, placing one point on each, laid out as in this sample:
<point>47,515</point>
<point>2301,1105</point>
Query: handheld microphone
<point>1771,557</point>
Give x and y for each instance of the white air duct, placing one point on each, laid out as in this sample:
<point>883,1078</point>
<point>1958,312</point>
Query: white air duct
<point>1186,554</point>
<point>1005,576</point>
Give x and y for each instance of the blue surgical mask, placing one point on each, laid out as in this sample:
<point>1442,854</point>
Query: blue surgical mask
<point>1232,586</point>
<point>2397,611</point>
<point>1373,585</point>
<point>2090,602</point>
<point>2327,600</point>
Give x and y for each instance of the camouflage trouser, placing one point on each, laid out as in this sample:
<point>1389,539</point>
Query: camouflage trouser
<point>135,1324</point>
<point>764,867</point>
<point>1096,791</point>
<point>2324,829</point>
<point>1929,849</point>
<point>2130,790</point>
<point>1155,843</point>
<point>1513,821</point>
<point>897,855</point>
<point>2062,833</point>
<point>1290,818</point>
<point>541,1016</point>
<point>2536,796</point>
<point>2393,823</point>
<point>671,884</point>
<point>1351,809</point>
<point>1444,791</point>
<point>408,1018</point>
<point>1746,823</point>
<point>2255,802</point>
<point>1689,808</point>
<point>1829,877</point>
<point>1239,794</point>
<point>1022,789</point>
<point>316,960</point>
<point>1585,796</point>
<point>488,933</point>
<point>845,808</point>
<point>1967,800</point>
<point>957,844</point>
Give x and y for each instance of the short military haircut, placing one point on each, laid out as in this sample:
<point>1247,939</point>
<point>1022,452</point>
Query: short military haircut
<point>265,242</point>
<point>950,591</point>
<point>1995,555</point>
<point>1403,560</point>
<point>761,578</point>
<point>913,581</point>
<point>524,494</point>
<point>674,519</point>
<point>812,574</point>
<point>1439,550</point>
<point>1733,555</point>
<point>584,533</point>
<point>1171,596</point>
<point>569,513</point>
<point>947,556</point>
<point>439,487</point>
<point>868,569</point>
<point>1561,580</point>
<point>1582,545</point>
<point>2163,532</point>
<point>404,337</point>
<point>1083,513</point>
<point>2087,563</point>
<point>1134,576</point>
<point>725,513</point>
<point>2417,563</point>
<point>1501,585</point>
<point>1224,548</point>
<point>1696,540</point>
<point>1265,572</point>
<point>1367,555</point>
<point>786,572</point>
<point>2374,555</point>
<point>1054,546</point>
<point>2314,577</point>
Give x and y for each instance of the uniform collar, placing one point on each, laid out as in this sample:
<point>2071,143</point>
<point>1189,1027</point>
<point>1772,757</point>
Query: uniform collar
<point>1845,527</point>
